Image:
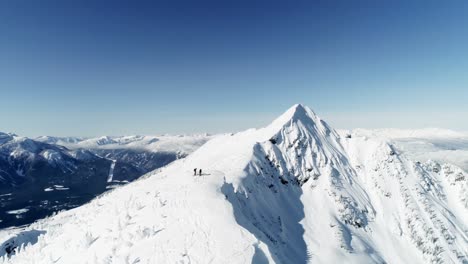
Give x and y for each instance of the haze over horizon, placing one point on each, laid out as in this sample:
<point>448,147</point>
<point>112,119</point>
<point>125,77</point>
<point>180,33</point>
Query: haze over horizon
<point>115,67</point>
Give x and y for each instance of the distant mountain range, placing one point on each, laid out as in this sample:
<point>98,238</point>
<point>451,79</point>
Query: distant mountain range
<point>296,191</point>
<point>441,145</point>
<point>48,174</point>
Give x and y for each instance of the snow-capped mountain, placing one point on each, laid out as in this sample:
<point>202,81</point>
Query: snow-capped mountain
<point>40,176</point>
<point>141,154</point>
<point>37,179</point>
<point>21,157</point>
<point>183,144</point>
<point>292,192</point>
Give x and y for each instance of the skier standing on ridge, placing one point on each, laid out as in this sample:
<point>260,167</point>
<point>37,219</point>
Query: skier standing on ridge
<point>200,172</point>
<point>195,172</point>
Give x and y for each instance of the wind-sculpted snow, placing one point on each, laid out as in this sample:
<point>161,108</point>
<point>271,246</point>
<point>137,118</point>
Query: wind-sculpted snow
<point>16,243</point>
<point>414,202</point>
<point>292,192</point>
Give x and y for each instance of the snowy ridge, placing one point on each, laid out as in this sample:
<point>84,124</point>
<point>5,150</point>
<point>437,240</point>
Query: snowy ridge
<point>413,201</point>
<point>292,192</point>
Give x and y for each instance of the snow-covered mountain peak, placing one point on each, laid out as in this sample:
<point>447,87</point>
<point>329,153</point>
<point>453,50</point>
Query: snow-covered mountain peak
<point>292,192</point>
<point>105,140</point>
<point>298,134</point>
<point>296,114</point>
<point>300,121</point>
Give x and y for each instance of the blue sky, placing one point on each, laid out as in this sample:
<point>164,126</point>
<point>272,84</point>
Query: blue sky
<point>89,68</point>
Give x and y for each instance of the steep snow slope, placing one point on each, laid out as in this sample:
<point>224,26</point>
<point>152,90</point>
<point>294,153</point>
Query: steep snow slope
<point>293,192</point>
<point>414,203</point>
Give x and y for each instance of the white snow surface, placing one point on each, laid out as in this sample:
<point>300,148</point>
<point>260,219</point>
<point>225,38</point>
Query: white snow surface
<point>111,171</point>
<point>52,156</point>
<point>292,192</point>
<point>19,211</point>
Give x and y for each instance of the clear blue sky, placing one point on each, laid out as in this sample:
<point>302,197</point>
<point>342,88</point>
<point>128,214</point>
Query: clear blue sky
<point>89,68</point>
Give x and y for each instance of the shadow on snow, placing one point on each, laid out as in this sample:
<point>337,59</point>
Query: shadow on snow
<point>270,210</point>
<point>11,246</point>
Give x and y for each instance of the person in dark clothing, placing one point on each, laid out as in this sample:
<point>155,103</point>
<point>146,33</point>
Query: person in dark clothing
<point>199,172</point>
<point>195,172</point>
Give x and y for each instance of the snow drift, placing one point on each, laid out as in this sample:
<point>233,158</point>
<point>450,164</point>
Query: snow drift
<point>292,192</point>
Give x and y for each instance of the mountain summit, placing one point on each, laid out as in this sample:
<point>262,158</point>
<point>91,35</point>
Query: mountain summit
<point>296,113</point>
<point>292,192</point>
